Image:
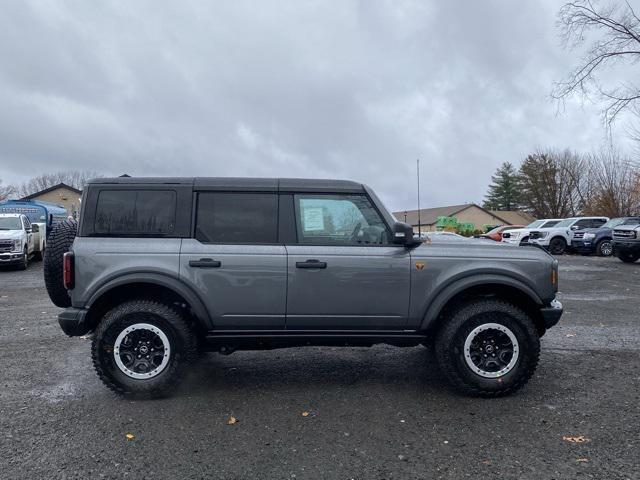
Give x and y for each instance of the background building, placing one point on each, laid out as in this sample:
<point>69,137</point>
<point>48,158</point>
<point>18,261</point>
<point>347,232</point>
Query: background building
<point>61,194</point>
<point>467,213</point>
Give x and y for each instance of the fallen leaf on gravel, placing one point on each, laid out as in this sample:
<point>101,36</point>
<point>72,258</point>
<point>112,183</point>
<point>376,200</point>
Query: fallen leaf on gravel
<point>486,462</point>
<point>130,436</point>
<point>305,414</point>
<point>578,439</point>
<point>232,420</point>
<point>571,334</point>
<point>582,460</point>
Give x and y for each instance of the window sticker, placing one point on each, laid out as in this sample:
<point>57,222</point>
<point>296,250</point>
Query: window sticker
<point>313,219</point>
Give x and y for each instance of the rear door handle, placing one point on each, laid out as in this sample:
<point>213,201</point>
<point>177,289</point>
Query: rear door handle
<point>311,264</point>
<point>205,263</point>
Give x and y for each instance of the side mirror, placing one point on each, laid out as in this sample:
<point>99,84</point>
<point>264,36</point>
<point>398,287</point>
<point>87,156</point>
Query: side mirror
<point>575,227</point>
<point>403,234</point>
<point>35,228</point>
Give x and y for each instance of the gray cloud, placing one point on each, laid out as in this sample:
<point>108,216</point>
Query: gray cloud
<point>340,89</point>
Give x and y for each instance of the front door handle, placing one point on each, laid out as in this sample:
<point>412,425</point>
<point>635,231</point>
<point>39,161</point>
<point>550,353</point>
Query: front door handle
<point>205,263</point>
<point>311,264</point>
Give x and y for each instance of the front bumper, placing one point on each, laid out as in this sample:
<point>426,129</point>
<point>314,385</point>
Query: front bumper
<point>552,313</point>
<point>626,245</point>
<point>73,321</point>
<point>583,246</point>
<point>11,257</point>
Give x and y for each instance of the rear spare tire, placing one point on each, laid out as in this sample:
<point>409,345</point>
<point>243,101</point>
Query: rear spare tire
<point>58,243</point>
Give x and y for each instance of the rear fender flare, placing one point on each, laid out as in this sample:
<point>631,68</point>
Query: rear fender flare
<point>173,284</point>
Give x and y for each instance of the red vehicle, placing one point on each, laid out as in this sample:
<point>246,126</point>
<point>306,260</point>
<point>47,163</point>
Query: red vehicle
<point>496,233</point>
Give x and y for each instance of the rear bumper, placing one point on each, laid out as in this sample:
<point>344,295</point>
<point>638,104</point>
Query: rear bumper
<point>552,313</point>
<point>72,321</point>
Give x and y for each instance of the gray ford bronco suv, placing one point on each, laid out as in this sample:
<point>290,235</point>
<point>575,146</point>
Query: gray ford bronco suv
<point>161,269</point>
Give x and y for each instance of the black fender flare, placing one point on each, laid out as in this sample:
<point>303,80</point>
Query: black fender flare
<point>461,284</point>
<point>174,284</point>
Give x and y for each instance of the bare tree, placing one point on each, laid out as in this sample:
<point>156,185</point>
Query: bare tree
<point>554,183</point>
<point>616,181</point>
<point>5,191</point>
<point>616,28</point>
<point>73,178</point>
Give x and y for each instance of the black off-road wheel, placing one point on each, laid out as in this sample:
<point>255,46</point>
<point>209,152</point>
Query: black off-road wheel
<point>59,243</point>
<point>141,348</point>
<point>557,246</point>
<point>627,256</point>
<point>604,248</point>
<point>488,348</point>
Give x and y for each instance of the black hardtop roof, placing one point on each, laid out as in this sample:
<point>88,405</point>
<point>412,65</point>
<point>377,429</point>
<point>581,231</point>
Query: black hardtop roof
<point>240,183</point>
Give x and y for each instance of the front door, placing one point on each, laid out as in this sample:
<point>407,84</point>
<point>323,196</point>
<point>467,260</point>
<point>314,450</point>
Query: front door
<point>234,261</point>
<point>344,273</point>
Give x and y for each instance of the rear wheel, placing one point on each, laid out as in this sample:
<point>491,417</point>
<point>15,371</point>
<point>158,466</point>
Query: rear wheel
<point>557,245</point>
<point>141,348</point>
<point>605,248</point>
<point>627,256</point>
<point>488,348</point>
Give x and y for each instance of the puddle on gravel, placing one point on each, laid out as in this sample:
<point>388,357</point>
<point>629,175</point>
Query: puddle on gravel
<point>56,393</point>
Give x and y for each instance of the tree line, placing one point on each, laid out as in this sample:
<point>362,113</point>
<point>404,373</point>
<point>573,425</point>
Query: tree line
<point>562,183</point>
<point>73,178</point>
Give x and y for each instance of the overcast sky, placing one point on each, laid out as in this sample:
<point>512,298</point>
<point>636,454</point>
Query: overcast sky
<point>341,89</point>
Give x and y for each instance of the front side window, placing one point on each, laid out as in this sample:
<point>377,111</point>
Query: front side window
<point>149,213</point>
<point>339,220</point>
<point>237,218</point>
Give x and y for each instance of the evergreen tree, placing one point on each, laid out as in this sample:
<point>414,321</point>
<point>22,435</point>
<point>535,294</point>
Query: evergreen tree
<point>504,191</point>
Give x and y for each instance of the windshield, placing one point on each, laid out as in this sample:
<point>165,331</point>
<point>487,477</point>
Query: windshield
<point>614,222</point>
<point>535,224</point>
<point>10,223</point>
<point>565,223</point>
<point>631,221</point>
<point>551,223</point>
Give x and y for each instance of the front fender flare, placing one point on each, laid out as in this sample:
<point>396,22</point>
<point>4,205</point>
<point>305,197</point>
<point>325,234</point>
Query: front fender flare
<point>459,285</point>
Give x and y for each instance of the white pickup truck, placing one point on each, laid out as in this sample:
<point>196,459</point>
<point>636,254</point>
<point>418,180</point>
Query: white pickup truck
<point>20,240</point>
<point>556,239</point>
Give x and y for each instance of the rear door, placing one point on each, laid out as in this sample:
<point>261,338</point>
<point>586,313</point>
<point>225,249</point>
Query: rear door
<point>344,272</point>
<point>234,260</point>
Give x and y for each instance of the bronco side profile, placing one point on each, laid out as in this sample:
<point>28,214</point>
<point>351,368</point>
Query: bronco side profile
<point>160,269</point>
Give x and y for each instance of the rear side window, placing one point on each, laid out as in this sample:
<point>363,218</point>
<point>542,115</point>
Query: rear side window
<point>147,213</point>
<point>237,218</point>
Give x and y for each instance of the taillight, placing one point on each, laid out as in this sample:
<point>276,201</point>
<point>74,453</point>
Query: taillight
<point>67,271</point>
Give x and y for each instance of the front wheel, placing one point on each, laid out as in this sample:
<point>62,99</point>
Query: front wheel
<point>24,263</point>
<point>557,246</point>
<point>604,248</point>
<point>141,348</point>
<point>488,348</point>
<point>627,256</point>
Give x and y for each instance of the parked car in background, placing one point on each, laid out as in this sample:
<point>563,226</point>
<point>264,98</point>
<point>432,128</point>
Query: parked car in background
<point>556,239</point>
<point>626,241</point>
<point>18,238</point>
<point>520,236</point>
<point>443,236</point>
<point>496,233</point>
<point>599,240</point>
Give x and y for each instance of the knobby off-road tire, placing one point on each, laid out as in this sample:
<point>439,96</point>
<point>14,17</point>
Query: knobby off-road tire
<point>471,317</point>
<point>557,246</point>
<point>627,256</point>
<point>152,320</point>
<point>59,243</point>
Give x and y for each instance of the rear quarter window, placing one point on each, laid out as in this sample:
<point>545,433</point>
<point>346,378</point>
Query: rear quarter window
<point>148,213</point>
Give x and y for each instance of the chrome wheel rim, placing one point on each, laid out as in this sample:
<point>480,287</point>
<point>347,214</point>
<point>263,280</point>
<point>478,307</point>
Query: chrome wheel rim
<point>606,249</point>
<point>142,351</point>
<point>491,350</point>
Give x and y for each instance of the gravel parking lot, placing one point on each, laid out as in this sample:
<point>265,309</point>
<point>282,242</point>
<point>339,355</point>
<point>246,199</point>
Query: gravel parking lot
<point>382,412</point>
